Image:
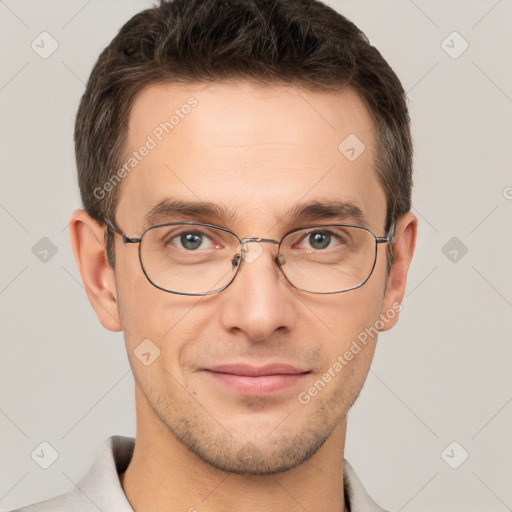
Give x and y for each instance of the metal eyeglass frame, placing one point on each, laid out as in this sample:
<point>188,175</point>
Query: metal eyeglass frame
<point>239,258</point>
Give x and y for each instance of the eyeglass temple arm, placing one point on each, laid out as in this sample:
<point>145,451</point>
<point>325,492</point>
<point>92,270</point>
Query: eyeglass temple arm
<point>126,239</point>
<point>389,237</point>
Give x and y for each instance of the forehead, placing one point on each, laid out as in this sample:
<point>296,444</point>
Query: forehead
<point>249,147</point>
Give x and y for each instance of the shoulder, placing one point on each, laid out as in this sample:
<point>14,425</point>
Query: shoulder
<point>99,489</point>
<point>73,501</point>
<point>355,494</point>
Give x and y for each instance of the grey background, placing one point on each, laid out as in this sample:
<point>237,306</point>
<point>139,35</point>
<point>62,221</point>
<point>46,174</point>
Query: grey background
<point>442,375</point>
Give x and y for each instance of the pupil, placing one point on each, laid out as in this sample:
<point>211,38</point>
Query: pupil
<point>319,240</point>
<point>191,240</point>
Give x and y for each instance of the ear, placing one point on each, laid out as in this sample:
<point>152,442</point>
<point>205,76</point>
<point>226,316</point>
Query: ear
<point>403,250</point>
<point>87,241</point>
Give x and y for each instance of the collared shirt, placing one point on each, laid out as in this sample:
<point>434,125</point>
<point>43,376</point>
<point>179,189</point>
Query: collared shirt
<point>100,488</point>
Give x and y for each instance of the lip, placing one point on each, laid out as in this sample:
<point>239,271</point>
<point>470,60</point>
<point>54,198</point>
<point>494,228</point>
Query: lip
<point>257,380</point>
<point>257,371</point>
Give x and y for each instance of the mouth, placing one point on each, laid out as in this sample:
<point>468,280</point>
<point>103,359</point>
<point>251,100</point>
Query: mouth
<point>257,380</point>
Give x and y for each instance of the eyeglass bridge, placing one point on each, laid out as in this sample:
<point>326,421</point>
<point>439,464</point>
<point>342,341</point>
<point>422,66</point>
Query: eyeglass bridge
<point>237,257</point>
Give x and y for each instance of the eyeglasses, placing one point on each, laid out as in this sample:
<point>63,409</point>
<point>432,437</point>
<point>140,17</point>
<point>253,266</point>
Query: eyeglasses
<point>190,258</point>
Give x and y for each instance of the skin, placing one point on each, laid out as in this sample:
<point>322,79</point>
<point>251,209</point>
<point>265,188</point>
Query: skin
<point>258,151</point>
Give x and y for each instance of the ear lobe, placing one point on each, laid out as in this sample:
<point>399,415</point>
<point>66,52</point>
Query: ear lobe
<point>403,250</point>
<point>87,241</point>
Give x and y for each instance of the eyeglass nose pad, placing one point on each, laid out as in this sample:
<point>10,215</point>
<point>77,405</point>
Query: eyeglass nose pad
<point>236,260</point>
<point>280,260</point>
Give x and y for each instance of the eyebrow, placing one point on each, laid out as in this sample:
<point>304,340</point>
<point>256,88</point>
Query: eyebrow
<point>187,210</point>
<point>207,212</point>
<point>326,210</point>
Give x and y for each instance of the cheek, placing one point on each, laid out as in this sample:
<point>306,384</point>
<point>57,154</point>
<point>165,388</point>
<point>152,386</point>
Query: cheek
<point>144,310</point>
<point>351,313</point>
<point>348,350</point>
<point>348,354</point>
<point>171,322</point>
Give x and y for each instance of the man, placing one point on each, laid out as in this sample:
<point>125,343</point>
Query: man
<point>245,169</point>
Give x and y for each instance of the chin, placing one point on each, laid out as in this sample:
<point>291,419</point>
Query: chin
<point>251,460</point>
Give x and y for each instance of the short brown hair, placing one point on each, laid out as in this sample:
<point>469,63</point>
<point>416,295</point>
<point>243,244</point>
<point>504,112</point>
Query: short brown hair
<point>300,42</point>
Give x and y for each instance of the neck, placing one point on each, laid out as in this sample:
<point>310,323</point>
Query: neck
<point>165,475</point>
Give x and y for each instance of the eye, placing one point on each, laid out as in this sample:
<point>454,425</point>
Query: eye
<point>319,239</point>
<point>190,241</point>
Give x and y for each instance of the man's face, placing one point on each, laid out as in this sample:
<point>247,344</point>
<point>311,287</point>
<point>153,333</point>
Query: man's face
<point>256,152</point>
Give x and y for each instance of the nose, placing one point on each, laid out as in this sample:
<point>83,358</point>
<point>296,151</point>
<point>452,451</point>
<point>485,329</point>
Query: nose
<point>259,301</point>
